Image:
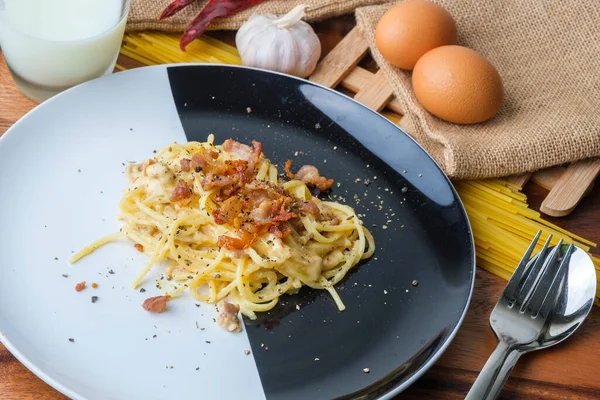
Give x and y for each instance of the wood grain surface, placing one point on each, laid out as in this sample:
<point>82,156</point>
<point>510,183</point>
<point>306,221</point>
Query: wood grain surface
<point>566,371</point>
<point>376,94</point>
<point>340,60</point>
<point>570,187</point>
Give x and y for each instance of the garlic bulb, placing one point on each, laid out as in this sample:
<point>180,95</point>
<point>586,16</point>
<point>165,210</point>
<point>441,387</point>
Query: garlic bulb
<point>285,44</point>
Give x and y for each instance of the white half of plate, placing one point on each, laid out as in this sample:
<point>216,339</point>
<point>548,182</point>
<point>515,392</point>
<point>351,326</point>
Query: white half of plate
<point>61,176</point>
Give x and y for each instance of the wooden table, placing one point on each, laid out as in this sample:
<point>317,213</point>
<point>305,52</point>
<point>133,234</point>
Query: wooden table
<point>566,371</point>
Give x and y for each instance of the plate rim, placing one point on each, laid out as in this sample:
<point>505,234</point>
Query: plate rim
<point>384,396</point>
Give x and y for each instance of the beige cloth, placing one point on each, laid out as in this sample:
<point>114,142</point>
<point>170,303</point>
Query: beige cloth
<point>143,13</point>
<point>548,54</point>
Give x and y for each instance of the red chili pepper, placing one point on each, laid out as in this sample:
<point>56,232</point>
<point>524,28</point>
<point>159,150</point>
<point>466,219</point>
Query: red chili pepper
<point>214,9</point>
<point>174,8</point>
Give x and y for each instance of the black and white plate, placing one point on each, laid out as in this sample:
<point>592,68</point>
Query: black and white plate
<point>61,177</point>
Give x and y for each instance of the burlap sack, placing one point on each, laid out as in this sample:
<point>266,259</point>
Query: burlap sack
<point>143,13</point>
<point>548,54</point>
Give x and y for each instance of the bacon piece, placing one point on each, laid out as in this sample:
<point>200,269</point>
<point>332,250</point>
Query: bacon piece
<point>251,207</point>
<point>311,177</point>
<point>228,316</point>
<point>218,217</point>
<point>198,160</point>
<point>244,152</point>
<point>224,174</point>
<point>204,157</point>
<point>230,175</point>
<point>257,208</point>
<point>241,151</point>
<point>232,243</point>
<point>245,204</point>
<point>280,209</point>
<point>182,192</point>
<point>262,212</point>
<point>186,164</point>
<point>309,208</point>
<point>231,211</point>
<point>281,230</point>
<point>139,247</point>
<point>156,304</point>
<point>80,286</point>
<point>288,169</point>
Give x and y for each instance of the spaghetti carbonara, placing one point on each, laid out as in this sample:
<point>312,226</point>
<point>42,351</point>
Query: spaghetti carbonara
<point>223,223</point>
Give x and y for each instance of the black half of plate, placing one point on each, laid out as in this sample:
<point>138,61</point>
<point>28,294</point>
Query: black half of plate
<point>405,303</point>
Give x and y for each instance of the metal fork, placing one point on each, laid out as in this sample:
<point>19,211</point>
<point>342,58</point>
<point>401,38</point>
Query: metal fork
<point>520,315</point>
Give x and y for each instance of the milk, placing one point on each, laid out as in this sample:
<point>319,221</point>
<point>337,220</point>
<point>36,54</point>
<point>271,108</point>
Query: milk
<point>56,44</point>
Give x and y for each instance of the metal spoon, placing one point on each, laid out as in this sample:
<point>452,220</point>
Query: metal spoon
<point>572,307</point>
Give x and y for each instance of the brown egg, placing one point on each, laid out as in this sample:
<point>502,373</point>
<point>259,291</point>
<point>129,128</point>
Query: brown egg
<point>458,85</point>
<point>411,29</point>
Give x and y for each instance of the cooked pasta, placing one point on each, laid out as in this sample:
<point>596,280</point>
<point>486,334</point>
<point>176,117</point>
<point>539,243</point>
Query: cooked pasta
<point>223,223</point>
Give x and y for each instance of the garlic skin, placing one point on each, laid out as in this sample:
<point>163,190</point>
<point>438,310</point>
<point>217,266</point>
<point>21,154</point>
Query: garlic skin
<point>285,44</point>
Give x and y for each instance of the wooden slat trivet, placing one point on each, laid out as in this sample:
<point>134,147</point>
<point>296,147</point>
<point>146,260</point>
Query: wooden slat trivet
<point>519,180</point>
<point>377,94</point>
<point>341,60</point>
<point>548,177</point>
<point>567,185</point>
<point>359,78</point>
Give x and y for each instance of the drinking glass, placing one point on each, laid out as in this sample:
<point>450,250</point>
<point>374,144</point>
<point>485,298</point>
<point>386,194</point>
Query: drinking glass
<point>52,45</point>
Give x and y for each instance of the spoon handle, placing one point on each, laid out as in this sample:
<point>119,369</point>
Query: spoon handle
<point>494,374</point>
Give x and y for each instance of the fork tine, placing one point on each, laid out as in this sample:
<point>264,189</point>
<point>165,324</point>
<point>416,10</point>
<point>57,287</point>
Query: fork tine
<point>544,306</point>
<point>514,283</point>
<point>531,270</point>
<point>542,265</point>
<point>540,281</point>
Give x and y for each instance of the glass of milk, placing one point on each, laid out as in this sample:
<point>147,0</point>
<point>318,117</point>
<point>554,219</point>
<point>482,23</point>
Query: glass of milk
<point>52,45</point>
